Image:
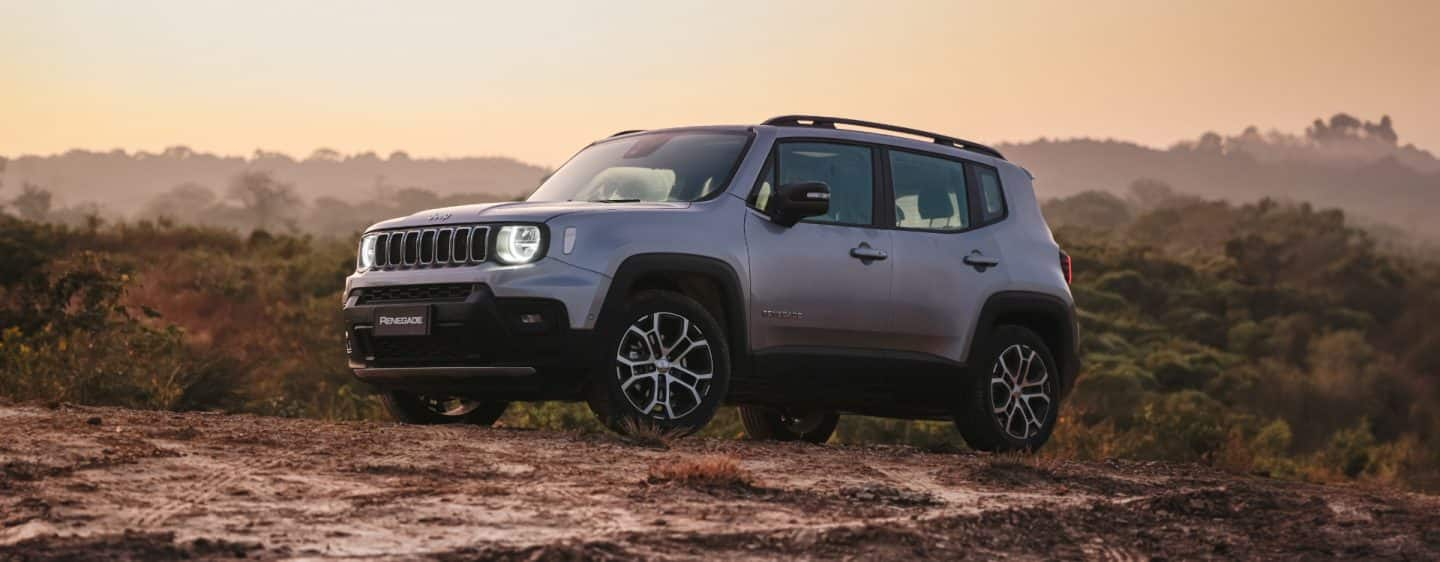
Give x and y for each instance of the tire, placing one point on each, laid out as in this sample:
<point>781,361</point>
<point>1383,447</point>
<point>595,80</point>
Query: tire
<point>998,415</point>
<point>763,423</point>
<point>666,342</point>
<point>415,409</point>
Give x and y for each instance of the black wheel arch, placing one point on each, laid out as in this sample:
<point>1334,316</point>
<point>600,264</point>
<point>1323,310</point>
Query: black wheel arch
<point>682,273</point>
<point>1049,316</point>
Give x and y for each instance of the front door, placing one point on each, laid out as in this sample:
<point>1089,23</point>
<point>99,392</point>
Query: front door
<point>823,283</point>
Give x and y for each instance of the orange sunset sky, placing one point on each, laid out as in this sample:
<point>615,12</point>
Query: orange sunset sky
<point>536,79</point>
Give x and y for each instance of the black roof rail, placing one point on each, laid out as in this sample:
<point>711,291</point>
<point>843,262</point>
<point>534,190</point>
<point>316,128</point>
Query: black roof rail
<point>626,132</point>
<point>830,122</point>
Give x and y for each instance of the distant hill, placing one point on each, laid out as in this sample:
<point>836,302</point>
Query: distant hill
<point>1357,166</point>
<point>121,182</point>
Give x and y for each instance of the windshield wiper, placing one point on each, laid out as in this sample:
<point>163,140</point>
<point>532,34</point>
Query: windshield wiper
<point>614,201</point>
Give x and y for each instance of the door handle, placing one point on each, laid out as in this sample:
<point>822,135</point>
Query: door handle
<point>865,252</point>
<point>980,261</point>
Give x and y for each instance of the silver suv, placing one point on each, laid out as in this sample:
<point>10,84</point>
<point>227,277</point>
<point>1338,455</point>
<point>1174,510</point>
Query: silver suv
<point>792,268</point>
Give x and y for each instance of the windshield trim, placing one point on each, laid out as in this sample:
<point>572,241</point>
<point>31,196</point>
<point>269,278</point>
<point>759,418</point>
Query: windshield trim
<point>749,134</point>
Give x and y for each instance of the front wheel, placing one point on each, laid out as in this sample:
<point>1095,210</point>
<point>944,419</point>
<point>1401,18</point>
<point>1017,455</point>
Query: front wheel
<point>813,425</point>
<point>1012,404</point>
<point>668,366</point>
<point>411,408</point>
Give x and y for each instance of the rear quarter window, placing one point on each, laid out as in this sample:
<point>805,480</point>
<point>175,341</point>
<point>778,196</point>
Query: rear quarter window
<point>992,196</point>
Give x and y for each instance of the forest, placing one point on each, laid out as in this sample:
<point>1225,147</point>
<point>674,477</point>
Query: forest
<point>1269,337</point>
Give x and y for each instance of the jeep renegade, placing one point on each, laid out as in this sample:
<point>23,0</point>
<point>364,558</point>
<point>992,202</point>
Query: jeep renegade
<point>793,268</point>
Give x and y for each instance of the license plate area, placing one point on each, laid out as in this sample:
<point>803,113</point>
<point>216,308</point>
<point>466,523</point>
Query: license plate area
<point>412,320</point>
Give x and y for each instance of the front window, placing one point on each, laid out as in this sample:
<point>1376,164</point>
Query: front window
<point>662,166</point>
<point>846,168</point>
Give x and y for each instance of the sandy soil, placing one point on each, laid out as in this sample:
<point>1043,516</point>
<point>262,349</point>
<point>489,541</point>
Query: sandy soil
<point>98,483</point>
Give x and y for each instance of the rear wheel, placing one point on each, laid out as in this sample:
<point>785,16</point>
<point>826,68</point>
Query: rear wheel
<point>668,366</point>
<point>418,409</point>
<point>1013,403</point>
<point>764,423</point>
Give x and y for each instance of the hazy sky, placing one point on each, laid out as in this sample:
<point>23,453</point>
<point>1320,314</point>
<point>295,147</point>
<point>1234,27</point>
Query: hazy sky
<point>537,80</point>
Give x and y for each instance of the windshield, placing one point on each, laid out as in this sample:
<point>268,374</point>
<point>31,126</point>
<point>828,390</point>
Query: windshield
<point>673,166</point>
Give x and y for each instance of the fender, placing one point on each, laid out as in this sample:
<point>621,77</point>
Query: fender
<point>1061,330</point>
<point>638,266</point>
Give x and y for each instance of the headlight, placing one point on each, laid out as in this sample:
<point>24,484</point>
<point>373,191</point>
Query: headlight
<point>367,253</point>
<point>516,244</point>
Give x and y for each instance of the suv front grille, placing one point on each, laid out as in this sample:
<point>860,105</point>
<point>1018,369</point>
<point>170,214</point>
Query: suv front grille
<point>431,247</point>
<point>445,292</point>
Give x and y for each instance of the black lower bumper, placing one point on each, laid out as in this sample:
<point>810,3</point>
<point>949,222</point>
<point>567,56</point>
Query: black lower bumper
<point>475,340</point>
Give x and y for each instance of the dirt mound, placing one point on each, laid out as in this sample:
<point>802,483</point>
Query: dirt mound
<point>130,546</point>
<point>565,551</point>
<point>152,485</point>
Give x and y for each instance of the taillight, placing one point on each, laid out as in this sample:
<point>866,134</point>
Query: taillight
<point>1066,268</point>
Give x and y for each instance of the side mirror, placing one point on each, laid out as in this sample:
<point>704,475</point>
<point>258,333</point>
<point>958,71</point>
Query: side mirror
<point>795,201</point>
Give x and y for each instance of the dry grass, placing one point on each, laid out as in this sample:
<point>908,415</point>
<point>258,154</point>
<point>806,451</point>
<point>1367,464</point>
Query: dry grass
<point>708,472</point>
<point>1016,469</point>
<point>1038,461</point>
<point>646,434</point>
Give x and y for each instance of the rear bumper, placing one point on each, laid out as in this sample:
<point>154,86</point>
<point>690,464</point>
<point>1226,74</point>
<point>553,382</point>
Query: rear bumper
<point>475,340</point>
<point>1070,356</point>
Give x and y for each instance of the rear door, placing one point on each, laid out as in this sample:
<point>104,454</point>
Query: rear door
<point>823,283</point>
<point>947,261</point>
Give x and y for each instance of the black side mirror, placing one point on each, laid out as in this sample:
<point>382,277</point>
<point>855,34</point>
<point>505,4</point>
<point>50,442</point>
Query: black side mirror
<point>795,201</point>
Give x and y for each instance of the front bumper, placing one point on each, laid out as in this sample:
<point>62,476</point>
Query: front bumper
<point>475,340</point>
<point>580,290</point>
<point>436,376</point>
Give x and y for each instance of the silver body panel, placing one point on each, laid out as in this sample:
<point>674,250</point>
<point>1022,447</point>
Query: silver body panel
<point>807,291</point>
<point>937,297</point>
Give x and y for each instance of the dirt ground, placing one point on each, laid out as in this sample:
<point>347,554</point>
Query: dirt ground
<point>99,483</point>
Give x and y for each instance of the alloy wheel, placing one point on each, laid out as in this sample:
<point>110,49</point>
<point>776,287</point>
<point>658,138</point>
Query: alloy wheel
<point>664,366</point>
<point>1021,391</point>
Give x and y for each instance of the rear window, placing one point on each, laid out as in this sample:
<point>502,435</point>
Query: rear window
<point>929,192</point>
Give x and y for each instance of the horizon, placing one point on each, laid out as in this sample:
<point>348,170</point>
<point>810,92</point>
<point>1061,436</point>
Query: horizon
<point>385,155</point>
<point>539,81</point>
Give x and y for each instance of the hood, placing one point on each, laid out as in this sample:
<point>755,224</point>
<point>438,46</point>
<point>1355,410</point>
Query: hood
<point>516,211</point>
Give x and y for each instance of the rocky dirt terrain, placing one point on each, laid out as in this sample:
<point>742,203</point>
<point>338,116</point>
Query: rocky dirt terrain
<point>97,483</point>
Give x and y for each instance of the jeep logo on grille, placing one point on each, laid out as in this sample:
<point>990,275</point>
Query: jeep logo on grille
<point>402,320</point>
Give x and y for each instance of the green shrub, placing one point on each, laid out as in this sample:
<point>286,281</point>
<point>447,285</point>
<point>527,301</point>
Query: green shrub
<point>1350,450</point>
<point>1114,395</point>
<point>1183,426</point>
